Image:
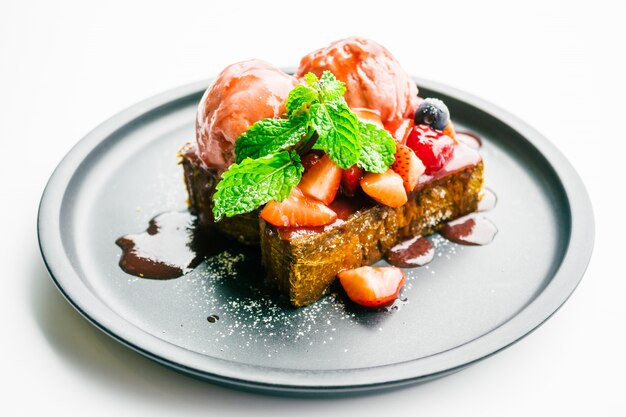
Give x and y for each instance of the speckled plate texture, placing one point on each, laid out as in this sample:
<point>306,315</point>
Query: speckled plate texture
<point>466,305</point>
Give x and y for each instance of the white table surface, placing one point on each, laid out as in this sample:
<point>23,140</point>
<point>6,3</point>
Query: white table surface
<point>65,67</point>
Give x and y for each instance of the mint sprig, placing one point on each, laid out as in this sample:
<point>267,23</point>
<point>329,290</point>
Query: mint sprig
<point>254,182</point>
<point>267,163</point>
<point>269,136</point>
<point>377,148</point>
<point>338,132</point>
<point>329,87</point>
<point>299,99</point>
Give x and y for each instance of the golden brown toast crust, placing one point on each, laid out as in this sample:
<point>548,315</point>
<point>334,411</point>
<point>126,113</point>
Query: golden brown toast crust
<point>200,182</point>
<point>303,267</point>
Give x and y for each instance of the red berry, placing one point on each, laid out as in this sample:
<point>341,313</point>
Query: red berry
<point>309,160</point>
<point>297,210</point>
<point>322,180</point>
<point>433,148</point>
<point>386,188</point>
<point>408,166</point>
<point>350,180</point>
<point>372,286</point>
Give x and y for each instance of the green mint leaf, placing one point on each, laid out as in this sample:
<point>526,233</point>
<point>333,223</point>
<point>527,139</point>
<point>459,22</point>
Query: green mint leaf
<point>252,183</point>
<point>267,168</point>
<point>338,132</point>
<point>269,136</point>
<point>311,79</point>
<point>378,148</point>
<point>299,98</point>
<point>331,89</point>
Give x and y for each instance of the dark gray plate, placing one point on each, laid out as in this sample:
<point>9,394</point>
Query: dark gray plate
<point>469,303</point>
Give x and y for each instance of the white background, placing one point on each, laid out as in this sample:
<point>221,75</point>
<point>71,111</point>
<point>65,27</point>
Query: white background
<point>67,66</point>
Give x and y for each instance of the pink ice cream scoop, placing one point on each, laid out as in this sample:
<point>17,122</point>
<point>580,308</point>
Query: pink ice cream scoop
<point>374,78</point>
<point>241,95</point>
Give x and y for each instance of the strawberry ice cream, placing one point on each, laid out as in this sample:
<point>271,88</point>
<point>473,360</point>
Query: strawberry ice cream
<point>242,94</point>
<point>374,79</point>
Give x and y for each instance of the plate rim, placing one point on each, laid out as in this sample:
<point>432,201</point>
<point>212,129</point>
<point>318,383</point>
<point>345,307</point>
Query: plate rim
<point>565,279</point>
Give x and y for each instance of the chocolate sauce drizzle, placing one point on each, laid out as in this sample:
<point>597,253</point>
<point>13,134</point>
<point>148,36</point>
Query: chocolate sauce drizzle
<point>171,246</point>
<point>470,230</point>
<point>417,251</point>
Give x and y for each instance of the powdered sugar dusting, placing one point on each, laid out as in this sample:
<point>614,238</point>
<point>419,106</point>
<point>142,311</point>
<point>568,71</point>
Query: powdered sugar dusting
<point>250,315</point>
<point>231,313</point>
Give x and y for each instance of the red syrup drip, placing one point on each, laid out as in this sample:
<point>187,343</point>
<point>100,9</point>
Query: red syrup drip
<point>470,230</point>
<point>470,139</point>
<point>170,247</point>
<point>411,253</point>
<point>462,158</point>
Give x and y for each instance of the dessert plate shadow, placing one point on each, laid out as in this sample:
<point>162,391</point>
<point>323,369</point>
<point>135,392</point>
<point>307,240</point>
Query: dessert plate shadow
<point>218,324</point>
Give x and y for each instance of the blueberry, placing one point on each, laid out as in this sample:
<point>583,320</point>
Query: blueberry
<point>432,112</point>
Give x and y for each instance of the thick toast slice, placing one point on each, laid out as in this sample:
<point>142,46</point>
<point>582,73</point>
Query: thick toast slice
<point>200,182</point>
<point>303,263</point>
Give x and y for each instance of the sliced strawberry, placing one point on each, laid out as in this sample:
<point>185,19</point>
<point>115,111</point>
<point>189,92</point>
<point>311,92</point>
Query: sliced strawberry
<point>350,180</point>
<point>297,210</point>
<point>432,147</point>
<point>322,180</point>
<point>386,188</point>
<point>408,166</point>
<point>400,129</point>
<point>372,286</point>
<point>449,131</point>
<point>369,116</point>
<point>309,160</point>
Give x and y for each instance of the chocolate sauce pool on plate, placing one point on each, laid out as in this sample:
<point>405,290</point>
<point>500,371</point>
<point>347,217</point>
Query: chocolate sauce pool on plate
<point>470,230</point>
<point>173,245</point>
<point>170,247</point>
<point>417,251</point>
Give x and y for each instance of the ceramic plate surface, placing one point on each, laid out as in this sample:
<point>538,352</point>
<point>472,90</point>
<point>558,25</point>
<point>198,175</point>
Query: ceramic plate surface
<point>469,303</point>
